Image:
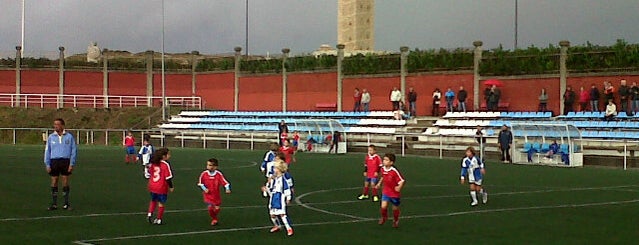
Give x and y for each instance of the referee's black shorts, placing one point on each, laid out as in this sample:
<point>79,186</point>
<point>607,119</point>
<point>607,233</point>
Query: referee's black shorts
<point>60,166</point>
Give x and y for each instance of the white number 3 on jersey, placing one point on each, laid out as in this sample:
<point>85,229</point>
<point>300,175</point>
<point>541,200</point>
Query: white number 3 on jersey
<point>156,174</point>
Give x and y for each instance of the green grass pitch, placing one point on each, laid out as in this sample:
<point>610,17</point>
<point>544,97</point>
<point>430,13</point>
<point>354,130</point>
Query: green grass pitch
<point>527,205</point>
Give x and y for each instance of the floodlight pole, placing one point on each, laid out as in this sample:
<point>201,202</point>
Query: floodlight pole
<point>22,30</point>
<point>163,75</point>
<point>516,22</point>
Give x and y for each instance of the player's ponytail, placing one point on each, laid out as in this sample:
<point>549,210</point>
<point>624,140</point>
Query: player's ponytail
<point>158,155</point>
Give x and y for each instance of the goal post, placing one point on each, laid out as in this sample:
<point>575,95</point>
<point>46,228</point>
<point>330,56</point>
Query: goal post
<point>533,144</point>
<point>316,135</point>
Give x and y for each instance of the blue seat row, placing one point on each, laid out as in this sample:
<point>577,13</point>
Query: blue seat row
<point>231,120</point>
<point>605,124</point>
<point>595,115</point>
<point>526,115</point>
<point>241,127</point>
<point>611,134</point>
<point>274,114</point>
<point>545,147</point>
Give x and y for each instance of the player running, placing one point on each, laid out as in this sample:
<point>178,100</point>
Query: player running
<point>393,183</point>
<point>211,180</point>
<point>160,183</point>
<point>280,196</point>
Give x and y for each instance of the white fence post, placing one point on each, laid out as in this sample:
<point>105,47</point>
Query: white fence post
<point>14,136</point>
<point>182,139</point>
<point>441,148</point>
<point>92,137</point>
<point>106,137</point>
<point>403,144</point>
<point>204,140</point>
<point>228,141</point>
<point>252,141</point>
<point>162,139</point>
<point>625,155</point>
<point>368,139</point>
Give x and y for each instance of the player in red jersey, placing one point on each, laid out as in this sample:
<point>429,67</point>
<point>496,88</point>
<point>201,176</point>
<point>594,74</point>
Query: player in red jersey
<point>289,152</point>
<point>296,140</point>
<point>372,167</point>
<point>284,136</point>
<point>129,146</point>
<point>210,182</point>
<point>160,183</point>
<point>393,183</point>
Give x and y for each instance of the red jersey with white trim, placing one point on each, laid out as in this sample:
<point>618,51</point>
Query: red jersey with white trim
<point>373,164</point>
<point>159,173</point>
<point>283,137</point>
<point>296,137</point>
<point>213,181</point>
<point>129,141</point>
<point>288,153</point>
<point>391,179</point>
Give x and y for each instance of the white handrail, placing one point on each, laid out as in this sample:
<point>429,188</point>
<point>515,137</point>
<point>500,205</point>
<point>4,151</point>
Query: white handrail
<point>95,101</point>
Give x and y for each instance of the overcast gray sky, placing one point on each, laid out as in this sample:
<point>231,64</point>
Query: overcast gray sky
<point>216,26</point>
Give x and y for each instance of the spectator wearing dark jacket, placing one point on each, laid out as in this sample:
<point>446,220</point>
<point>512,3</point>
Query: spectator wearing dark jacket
<point>462,95</point>
<point>634,93</point>
<point>624,95</point>
<point>505,141</point>
<point>594,98</point>
<point>569,100</point>
<point>412,102</point>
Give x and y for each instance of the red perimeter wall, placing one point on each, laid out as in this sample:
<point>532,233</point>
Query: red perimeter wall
<point>305,90</point>
<point>8,82</point>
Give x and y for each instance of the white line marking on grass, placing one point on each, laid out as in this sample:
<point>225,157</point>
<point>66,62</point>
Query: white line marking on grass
<point>483,211</point>
<point>298,201</point>
<point>300,204</point>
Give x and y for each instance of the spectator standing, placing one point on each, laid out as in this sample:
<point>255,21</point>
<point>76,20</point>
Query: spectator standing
<point>462,95</point>
<point>59,159</point>
<point>584,97</point>
<point>395,98</point>
<point>569,100</point>
<point>543,101</point>
<point>412,102</point>
<point>450,99</point>
<point>611,111</point>
<point>283,129</point>
<point>357,98</point>
<point>634,92</point>
<point>493,98</point>
<point>609,91</point>
<point>624,93</point>
<point>505,141</point>
<point>437,97</point>
<point>594,98</point>
<point>365,100</point>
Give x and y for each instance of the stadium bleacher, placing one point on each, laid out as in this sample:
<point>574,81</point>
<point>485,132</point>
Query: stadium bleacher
<point>590,124</point>
<point>353,122</point>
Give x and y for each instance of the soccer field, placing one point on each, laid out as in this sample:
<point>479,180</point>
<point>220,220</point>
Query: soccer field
<point>527,204</point>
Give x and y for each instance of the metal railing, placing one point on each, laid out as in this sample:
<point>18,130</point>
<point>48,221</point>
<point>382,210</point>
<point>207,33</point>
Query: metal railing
<point>95,101</point>
<point>439,145</point>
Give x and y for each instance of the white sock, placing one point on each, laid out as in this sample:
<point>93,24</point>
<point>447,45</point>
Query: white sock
<point>285,221</point>
<point>481,191</point>
<point>473,194</point>
<point>275,221</point>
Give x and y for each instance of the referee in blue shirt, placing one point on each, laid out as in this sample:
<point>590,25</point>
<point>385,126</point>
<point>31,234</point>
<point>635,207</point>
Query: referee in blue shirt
<point>59,158</point>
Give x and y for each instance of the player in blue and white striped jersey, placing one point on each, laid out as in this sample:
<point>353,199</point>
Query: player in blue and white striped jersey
<point>473,168</point>
<point>268,162</point>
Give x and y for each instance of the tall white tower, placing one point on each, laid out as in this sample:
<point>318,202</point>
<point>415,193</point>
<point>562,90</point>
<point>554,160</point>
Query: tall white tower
<point>356,24</point>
